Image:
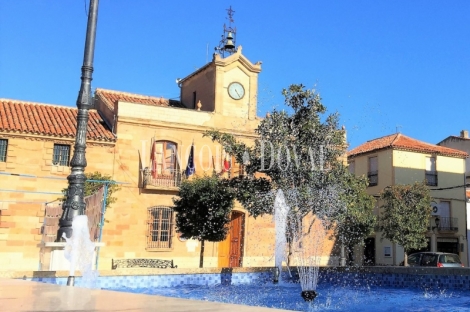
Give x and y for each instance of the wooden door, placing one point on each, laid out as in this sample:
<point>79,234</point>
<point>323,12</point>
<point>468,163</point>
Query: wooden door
<point>236,239</point>
<point>223,252</point>
<point>230,251</point>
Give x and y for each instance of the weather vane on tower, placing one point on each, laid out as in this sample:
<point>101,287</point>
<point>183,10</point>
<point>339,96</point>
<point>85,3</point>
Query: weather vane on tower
<point>227,44</point>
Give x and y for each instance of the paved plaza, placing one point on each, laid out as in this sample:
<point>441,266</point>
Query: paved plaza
<point>19,295</point>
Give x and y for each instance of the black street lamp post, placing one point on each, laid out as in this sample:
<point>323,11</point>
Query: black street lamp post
<point>75,203</point>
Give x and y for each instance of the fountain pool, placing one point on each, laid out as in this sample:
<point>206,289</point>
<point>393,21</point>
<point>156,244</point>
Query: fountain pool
<point>330,298</point>
<point>340,289</point>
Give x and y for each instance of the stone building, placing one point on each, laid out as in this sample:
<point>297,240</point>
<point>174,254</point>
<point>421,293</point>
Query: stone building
<point>143,142</point>
<point>35,148</point>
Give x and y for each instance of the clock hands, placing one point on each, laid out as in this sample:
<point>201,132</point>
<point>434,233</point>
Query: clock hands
<point>238,93</point>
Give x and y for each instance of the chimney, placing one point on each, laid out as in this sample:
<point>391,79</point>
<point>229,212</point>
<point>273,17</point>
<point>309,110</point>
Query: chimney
<point>464,134</point>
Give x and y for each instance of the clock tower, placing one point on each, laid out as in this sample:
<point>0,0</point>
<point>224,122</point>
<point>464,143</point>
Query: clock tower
<point>228,85</point>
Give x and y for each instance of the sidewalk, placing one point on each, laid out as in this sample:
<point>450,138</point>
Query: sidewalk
<point>19,295</point>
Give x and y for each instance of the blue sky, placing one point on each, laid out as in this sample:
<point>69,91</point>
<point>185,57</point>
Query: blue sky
<point>383,65</point>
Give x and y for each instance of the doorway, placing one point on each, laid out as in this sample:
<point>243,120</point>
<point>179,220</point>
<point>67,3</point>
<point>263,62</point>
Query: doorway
<point>448,244</point>
<point>369,251</point>
<point>231,249</point>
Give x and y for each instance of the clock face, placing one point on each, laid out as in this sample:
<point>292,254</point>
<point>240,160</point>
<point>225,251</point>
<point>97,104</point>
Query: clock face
<point>236,90</point>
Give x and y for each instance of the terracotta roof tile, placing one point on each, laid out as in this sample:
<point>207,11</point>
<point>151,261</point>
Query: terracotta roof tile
<point>51,120</point>
<point>111,97</point>
<point>403,142</point>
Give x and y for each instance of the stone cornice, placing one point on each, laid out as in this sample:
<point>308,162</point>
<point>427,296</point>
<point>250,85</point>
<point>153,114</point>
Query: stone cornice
<point>217,60</point>
<point>59,140</point>
<point>238,56</point>
<point>185,127</point>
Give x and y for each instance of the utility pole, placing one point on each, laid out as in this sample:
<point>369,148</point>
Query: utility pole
<point>75,203</point>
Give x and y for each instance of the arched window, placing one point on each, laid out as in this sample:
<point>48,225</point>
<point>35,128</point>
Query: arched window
<point>164,168</point>
<point>164,158</point>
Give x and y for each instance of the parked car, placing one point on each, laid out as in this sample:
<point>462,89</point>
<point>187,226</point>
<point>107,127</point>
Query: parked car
<point>434,259</point>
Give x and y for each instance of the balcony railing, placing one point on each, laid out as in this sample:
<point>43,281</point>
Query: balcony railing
<point>373,177</point>
<point>431,178</point>
<point>445,224</point>
<point>167,179</point>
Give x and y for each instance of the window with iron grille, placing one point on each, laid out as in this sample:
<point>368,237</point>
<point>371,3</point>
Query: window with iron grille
<point>3,150</point>
<point>160,227</point>
<point>61,154</point>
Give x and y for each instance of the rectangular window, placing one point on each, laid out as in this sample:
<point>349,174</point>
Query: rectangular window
<point>3,150</point>
<point>373,174</point>
<point>61,154</point>
<point>431,173</point>
<point>160,227</point>
<point>352,167</point>
<point>387,251</point>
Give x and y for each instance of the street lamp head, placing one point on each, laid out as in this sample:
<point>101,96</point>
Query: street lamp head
<point>437,221</point>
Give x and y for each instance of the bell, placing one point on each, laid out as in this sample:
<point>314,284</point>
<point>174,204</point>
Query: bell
<point>229,44</point>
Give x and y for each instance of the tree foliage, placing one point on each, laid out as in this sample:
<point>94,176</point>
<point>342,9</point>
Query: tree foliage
<point>203,208</point>
<point>357,222</point>
<point>300,151</point>
<point>94,181</point>
<point>295,152</point>
<point>406,212</point>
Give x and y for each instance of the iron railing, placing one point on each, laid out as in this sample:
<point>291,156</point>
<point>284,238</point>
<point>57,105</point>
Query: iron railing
<point>373,177</point>
<point>52,213</point>
<point>431,178</point>
<point>168,178</point>
<point>447,224</point>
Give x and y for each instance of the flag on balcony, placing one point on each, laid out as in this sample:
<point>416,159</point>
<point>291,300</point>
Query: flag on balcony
<point>226,166</point>
<point>153,160</point>
<point>190,167</point>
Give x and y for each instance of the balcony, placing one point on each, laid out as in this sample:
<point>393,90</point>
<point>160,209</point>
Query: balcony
<point>431,178</point>
<point>445,224</point>
<point>169,179</point>
<point>373,177</point>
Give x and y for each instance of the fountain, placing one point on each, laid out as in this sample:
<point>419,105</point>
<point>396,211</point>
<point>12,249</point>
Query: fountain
<point>281,210</point>
<point>79,251</point>
<point>306,241</point>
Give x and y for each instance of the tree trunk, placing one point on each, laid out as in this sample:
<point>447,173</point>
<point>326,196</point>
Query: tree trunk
<point>201,255</point>
<point>289,253</point>
<point>405,262</point>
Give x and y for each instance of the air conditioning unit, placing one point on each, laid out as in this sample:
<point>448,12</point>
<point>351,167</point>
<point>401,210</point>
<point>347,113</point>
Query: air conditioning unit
<point>435,209</point>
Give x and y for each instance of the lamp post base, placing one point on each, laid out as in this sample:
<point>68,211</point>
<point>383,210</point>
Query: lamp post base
<point>71,281</point>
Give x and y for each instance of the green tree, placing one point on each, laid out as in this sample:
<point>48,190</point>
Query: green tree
<point>203,209</point>
<point>300,151</point>
<point>295,152</point>
<point>357,222</point>
<point>406,212</point>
